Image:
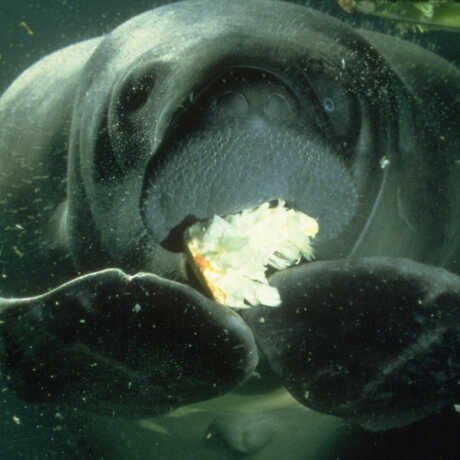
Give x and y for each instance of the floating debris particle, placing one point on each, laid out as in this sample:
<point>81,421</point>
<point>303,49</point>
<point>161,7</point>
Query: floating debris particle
<point>18,252</point>
<point>26,27</point>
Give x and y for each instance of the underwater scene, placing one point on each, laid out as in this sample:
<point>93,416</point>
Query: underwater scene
<point>230,229</point>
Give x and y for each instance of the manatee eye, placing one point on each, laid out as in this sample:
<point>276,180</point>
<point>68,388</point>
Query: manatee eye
<point>124,118</point>
<point>328,104</point>
<point>135,93</point>
<point>339,106</point>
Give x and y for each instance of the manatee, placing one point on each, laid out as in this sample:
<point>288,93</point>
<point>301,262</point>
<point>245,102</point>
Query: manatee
<point>112,147</point>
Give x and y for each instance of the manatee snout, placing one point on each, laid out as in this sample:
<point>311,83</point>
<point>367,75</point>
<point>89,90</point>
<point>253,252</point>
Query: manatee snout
<point>246,142</point>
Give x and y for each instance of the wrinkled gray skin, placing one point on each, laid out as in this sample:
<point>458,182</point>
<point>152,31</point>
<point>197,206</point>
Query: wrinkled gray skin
<point>110,147</point>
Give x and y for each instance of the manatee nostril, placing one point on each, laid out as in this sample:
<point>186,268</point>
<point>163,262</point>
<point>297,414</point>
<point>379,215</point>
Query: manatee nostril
<point>233,104</point>
<point>250,94</point>
<point>277,107</point>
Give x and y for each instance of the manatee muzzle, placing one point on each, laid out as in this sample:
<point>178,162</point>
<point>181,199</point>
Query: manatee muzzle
<point>244,145</point>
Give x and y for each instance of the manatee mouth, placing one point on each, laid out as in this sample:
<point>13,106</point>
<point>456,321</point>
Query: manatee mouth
<point>232,255</point>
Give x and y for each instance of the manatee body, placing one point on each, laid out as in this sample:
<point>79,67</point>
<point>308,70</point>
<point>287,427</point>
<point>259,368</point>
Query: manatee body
<point>111,147</point>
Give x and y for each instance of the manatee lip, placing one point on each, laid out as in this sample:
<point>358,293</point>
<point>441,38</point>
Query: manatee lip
<point>192,280</point>
<point>216,181</point>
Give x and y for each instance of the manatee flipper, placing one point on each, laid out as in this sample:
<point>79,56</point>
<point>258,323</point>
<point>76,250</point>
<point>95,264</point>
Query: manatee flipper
<point>375,340</point>
<point>130,345</point>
